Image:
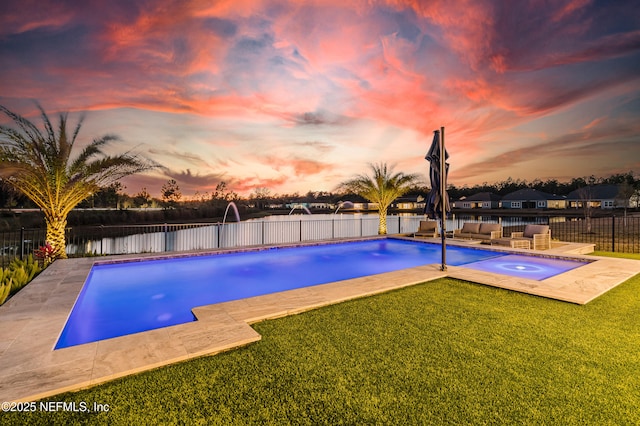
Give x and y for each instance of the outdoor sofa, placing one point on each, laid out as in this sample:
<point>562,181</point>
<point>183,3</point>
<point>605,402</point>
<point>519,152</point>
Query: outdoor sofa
<point>538,237</point>
<point>479,231</point>
<point>427,228</point>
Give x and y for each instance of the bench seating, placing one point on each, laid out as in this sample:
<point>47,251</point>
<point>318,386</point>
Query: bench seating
<point>479,231</point>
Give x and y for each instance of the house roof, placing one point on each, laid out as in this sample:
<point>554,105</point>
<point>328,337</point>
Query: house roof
<point>353,198</point>
<point>597,192</point>
<point>407,199</point>
<point>530,195</point>
<point>483,196</point>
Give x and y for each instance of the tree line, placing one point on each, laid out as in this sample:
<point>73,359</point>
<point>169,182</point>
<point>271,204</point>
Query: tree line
<point>550,186</point>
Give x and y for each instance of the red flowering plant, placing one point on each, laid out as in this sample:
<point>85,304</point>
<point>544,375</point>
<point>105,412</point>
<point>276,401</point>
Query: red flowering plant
<point>45,254</point>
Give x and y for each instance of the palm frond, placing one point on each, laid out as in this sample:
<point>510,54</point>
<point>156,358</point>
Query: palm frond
<point>32,132</point>
<point>91,150</point>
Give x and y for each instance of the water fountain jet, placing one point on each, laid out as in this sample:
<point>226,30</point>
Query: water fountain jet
<point>235,210</point>
<point>224,219</point>
<point>299,206</point>
<point>341,204</point>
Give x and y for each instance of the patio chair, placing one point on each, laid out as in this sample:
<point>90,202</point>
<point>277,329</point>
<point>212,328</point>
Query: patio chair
<point>538,235</point>
<point>427,228</point>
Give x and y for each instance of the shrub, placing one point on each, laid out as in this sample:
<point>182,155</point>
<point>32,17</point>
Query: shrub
<point>17,275</point>
<point>46,254</point>
<point>6,281</point>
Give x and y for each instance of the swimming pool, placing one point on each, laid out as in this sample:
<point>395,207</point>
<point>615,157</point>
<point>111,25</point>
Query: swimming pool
<point>129,297</point>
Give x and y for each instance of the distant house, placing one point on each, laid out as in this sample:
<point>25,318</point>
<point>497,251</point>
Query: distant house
<point>597,196</point>
<point>532,199</point>
<point>401,203</point>
<point>295,204</point>
<point>481,200</point>
<point>409,203</point>
<point>275,206</point>
<point>309,205</point>
<point>358,203</point>
<point>365,206</point>
<point>321,205</point>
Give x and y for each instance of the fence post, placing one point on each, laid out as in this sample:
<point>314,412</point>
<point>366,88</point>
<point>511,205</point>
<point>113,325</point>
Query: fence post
<point>165,237</point>
<point>613,233</point>
<point>300,230</point>
<point>21,243</point>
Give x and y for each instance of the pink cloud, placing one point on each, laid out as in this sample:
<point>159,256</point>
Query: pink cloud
<point>29,15</point>
<point>301,167</point>
<point>248,184</point>
<point>569,8</point>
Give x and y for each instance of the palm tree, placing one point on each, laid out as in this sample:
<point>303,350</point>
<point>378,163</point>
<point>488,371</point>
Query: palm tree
<point>39,164</point>
<point>381,188</point>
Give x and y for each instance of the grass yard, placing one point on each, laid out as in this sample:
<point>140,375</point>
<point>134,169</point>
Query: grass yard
<point>635,256</point>
<point>445,352</point>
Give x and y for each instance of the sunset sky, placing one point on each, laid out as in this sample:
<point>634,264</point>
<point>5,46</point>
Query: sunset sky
<point>301,95</point>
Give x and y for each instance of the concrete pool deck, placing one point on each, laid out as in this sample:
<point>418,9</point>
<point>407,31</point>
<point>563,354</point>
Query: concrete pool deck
<point>33,319</point>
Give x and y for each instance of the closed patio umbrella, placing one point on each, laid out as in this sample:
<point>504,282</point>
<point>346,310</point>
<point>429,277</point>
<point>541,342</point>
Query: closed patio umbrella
<point>437,205</point>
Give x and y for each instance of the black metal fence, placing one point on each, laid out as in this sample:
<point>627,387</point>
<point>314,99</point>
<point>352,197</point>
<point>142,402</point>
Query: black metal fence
<point>614,233</point>
<point>20,243</point>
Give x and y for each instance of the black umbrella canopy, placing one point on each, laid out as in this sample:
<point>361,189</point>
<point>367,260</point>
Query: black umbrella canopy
<point>437,205</point>
<point>434,204</point>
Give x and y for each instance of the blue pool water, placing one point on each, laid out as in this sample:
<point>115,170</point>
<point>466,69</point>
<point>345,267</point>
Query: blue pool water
<point>125,298</point>
<point>534,268</point>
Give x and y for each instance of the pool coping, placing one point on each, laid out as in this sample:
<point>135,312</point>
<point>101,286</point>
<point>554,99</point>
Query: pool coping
<point>33,319</point>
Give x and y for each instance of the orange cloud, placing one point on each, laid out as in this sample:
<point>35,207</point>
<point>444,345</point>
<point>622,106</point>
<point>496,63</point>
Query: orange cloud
<point>301,167</point>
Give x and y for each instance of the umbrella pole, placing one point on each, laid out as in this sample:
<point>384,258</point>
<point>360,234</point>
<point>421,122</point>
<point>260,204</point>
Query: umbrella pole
<point>443,192</point>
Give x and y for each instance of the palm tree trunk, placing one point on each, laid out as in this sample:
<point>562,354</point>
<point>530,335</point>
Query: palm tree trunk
<point>56,236</point>
<point>382,227</point>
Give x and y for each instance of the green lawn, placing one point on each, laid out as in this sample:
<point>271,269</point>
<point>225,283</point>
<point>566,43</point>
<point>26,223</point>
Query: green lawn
<point>635,256</point>
<point>444,352</point>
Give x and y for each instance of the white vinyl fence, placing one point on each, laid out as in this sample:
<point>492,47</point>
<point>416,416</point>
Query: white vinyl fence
<point>268,231</point>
